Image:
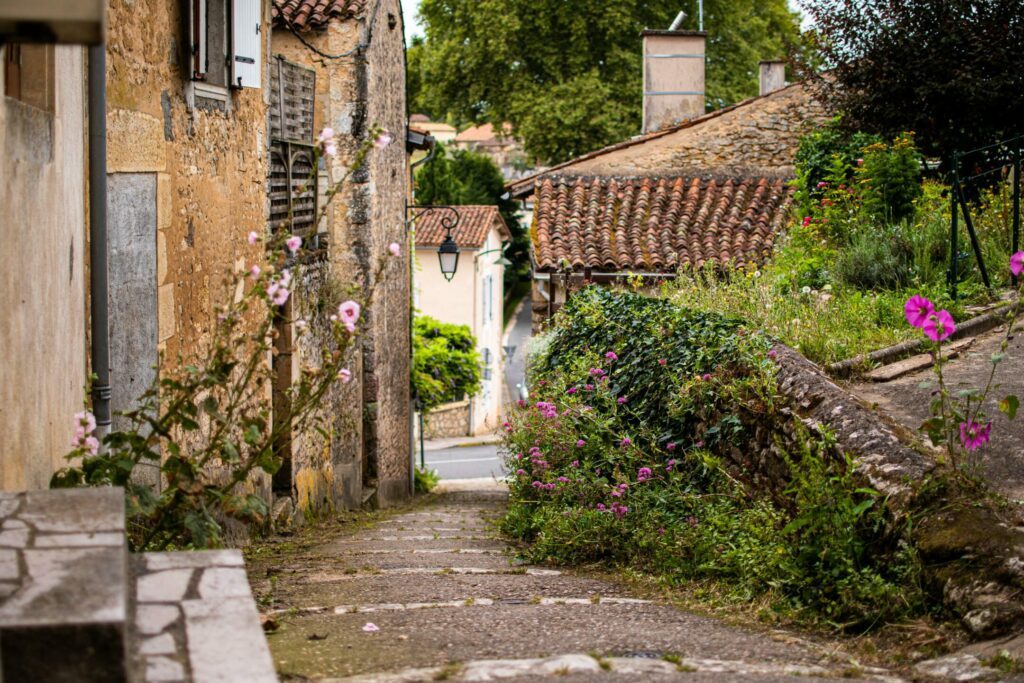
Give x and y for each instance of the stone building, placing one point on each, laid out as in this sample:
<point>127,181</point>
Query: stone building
<point>354,52</point>
<point>693,190</point>
<point>194,136</point>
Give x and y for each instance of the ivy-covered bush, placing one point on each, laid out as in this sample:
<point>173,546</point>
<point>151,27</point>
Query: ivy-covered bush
<point>639,450</point>
<point>445,362</point>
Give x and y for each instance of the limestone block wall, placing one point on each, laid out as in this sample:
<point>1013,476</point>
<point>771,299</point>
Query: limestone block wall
<point>43,284</point>
<point>209,168</point>
<point>446,421</point>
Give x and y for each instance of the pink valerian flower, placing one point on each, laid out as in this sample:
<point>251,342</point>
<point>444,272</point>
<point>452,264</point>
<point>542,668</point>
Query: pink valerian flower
<point>571,390</point>
<point>644,473</point>
<point>564,480</point>
<point>626,441</point>
<point>621,399</point>
<point>521,403</point>
<point>619,510</point>
<point>371,627</point>
<point>601,507</point>
<point>581,443</point>
<point>596,372</point>
<point>973,435</point>
<point>918,309</point>
<point>293,243</point>
<point>382,140</point>
<point>699,444</point>
<point>520,472</point>
<point>939,326</point>
<point>662,362</point>
<point>671,463</point>
<point>395,249</point>
<point>345,375</point>
<point>706,377</point>
<point>611,355</point>
<point>670,446</point>
<point>574,464</point>
<point>588,387</point>
<point>1017,263</point>
<point>822,185</point>
<point>253,238</point>
<point>546,409</point>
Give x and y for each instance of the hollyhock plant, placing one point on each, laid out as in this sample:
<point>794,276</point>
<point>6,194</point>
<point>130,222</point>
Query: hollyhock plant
<point>917,310</point>
<point>973,435</point>
<point>1017,264</point>
<point>348,313</point>
<point>939,326</point>
<point>293,243</point>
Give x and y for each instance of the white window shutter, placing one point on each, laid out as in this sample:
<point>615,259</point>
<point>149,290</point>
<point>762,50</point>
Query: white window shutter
<point>246,22</point>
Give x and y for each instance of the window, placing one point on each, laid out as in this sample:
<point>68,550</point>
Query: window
<point>488,293</point>
<point>28,74</point>
<point>292,182</point>
<point>488,359</point>
<point>224,46</point>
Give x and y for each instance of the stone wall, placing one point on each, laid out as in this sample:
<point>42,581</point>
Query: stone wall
<point>42,274</point>
<point>446,421</point>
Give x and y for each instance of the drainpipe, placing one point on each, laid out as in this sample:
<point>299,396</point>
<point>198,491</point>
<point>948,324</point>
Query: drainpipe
<point>98,286</point>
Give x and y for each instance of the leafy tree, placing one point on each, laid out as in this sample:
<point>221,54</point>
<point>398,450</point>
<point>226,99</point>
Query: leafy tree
<point>952,71</point>
<point>445,362</point>
<point>465,177</point>
<point>567,76</point>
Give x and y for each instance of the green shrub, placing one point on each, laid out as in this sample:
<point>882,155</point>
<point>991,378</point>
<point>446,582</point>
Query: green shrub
<point>890,180</point>
<point>876,260</point>
<point>445,362</point>
<point>425,480</point>
<point>828,154</point>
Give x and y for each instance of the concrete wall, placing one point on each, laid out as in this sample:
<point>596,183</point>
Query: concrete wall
<point>42,275</point>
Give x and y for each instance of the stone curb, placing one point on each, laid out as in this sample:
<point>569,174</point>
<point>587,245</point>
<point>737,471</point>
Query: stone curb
<point>978,325</point>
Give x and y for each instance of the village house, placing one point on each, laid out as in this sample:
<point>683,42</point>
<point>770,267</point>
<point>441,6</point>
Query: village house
<point>441,132</point>
<point>473,297</point>
<point>502,148</point>
<point>693,190</point>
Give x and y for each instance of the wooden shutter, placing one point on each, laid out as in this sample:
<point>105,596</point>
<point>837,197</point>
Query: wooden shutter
<point>197,44</point>
<point>292,188</point>
<point>12,70</point>
<point>246,23</point>
<point>292,89</point>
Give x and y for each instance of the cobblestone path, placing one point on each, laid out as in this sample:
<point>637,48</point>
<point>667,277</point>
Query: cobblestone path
<point>448,601</point>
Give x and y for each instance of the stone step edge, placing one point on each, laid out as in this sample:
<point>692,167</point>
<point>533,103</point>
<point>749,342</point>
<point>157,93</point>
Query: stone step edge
<point>568,664</point>
<point>461,602</point>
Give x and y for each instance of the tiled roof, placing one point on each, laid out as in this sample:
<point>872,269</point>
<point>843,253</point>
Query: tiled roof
<point>475,222</point>
<point>523,187</point>
<point>313,14</point>
<point>656,224</point>
<point>484,133</point>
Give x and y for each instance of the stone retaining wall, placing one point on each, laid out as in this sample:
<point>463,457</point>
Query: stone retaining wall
<point>447,421</point>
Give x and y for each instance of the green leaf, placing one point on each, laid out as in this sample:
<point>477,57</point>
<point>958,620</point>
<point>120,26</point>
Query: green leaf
<point>1009,406</point>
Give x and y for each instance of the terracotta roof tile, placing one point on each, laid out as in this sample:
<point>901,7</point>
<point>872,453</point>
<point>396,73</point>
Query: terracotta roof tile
<point>656,224</point>
<point>306,15</point>
<point>475,222</point>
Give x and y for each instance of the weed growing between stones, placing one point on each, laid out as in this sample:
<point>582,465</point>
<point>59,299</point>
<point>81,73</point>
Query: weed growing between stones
<point>657,441</point>
<point>206,424</point>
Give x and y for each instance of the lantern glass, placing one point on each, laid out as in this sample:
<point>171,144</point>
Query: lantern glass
<point>448,255</point>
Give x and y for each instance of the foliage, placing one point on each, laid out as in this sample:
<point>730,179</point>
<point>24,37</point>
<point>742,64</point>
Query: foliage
<point>567,76</point>
<point>426,480</point>
<point>890,179</point>
<point>875,260</point>
<point>950,70</point>
<point>445,362</point>
<point>827,154</point>
<point>206,422</point>
<point>628,457</point>
<point>467,177</point>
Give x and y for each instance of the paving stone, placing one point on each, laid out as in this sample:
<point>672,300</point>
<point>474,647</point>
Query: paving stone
<point>162,644</point>
<point>14,538</point>
<point>226,641</point>
<point>75,510</point>
<point>111,539</point>
<point>956,667</point>
<point>153,619</point>
<point>206,558</point>
<point>224,583</point>
<point>164,670</point>
<point>164,586</point>
<point>9,565</point>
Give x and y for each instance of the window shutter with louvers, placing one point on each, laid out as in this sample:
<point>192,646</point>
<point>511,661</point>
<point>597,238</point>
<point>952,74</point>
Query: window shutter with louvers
<point>246,20</point>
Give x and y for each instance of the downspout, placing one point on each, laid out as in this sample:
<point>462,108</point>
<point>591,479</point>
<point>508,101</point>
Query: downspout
<point>98,284</point>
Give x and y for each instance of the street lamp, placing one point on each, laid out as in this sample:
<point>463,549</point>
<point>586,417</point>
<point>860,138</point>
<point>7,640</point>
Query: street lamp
<point>448,255</point>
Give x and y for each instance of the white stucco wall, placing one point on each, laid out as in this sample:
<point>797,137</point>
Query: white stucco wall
<point>461,301</point>
<point>42,278</point>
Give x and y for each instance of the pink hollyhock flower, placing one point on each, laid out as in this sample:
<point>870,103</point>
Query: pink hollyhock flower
<point>348,312</point>
<point>253,238</point>
<point>395,249</point>
<point>581,443</point>
<point>973,435</point>
<point>345,375</point>
<point>1017,263</point>
<point>293,243</point>
<point>917,310</point>
<point>371,627</point>
<point>644,473</point>
<point>382,140</point>
<point>326,135</point>
<point>350,328</point>
<point>91,444</point>
<point>86,421</point>
<point>611,355</point>
<point>939,326</point>
<point>254,272</point>
<point>280,296</point>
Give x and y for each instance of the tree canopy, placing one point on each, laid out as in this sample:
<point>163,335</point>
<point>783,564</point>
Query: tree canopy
<point>952,71</point>
<point>567,75</point>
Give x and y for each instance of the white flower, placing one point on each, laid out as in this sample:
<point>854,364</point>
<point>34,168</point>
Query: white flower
<point>806,290</point>
<point>371,627</point>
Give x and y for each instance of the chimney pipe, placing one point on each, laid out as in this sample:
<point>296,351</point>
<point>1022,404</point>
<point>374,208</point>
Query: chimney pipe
<point>678,21</point>
<point>773,75</point>
<point>673,77</point>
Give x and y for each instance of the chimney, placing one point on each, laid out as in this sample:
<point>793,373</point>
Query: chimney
<point>773,75</point>
<point>673,77</point>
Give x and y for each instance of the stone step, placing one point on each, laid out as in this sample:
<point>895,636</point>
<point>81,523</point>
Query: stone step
<point>63,578</point>
<point>887,373</point>
<point>195,620</point>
